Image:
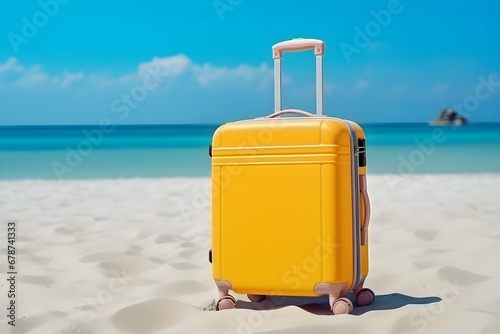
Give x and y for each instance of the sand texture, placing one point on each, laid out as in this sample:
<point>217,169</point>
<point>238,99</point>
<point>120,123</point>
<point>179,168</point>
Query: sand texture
<point>130,256</point>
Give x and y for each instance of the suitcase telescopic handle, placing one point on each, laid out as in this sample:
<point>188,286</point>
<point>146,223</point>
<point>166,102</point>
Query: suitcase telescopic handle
<point>299,44</point>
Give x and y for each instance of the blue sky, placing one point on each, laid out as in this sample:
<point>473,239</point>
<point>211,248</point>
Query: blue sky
<point>149,62</point>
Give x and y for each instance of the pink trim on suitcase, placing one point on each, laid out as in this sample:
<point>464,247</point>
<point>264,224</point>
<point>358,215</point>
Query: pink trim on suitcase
<point>290,111</point>
<point>224,287</point>
<point>366,200</point>
<point>334,291</point>
<point>299,44</point>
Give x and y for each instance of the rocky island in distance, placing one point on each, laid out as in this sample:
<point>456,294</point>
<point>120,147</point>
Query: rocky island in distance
<point>449,117</point>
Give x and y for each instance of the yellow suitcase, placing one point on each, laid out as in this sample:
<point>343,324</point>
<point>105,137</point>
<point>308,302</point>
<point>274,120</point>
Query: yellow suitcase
<point>289,205</point>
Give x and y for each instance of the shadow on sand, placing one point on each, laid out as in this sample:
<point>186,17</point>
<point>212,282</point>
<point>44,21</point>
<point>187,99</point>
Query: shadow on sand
<point>320,306</point>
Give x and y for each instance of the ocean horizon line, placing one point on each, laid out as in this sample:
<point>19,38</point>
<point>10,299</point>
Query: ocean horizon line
<point>209,125</point>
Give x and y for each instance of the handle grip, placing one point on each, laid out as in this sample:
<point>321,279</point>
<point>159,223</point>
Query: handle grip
<point>290,111</point>
<point>299,44</point>
<point>366,201</point>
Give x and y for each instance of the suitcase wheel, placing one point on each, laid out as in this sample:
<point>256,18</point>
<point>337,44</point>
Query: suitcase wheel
<point>226,303</point>
<point>365,297</point>
<point>342,306</point>
<point>256,298</point>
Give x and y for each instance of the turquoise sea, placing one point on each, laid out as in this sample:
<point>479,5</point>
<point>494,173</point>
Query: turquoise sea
<point>77,152</point>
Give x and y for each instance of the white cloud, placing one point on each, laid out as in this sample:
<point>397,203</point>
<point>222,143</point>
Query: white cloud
<point>166,66</point>
<point>31,76</point>
<point>11,65</point>
<point>362,84</point>
<point>103,80</point>
<point>171,67</point>
<point>68,78</point>
<point>208,73</point>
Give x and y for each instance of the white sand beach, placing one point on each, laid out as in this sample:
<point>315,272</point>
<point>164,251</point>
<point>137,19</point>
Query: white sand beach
<point>130,256</point>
